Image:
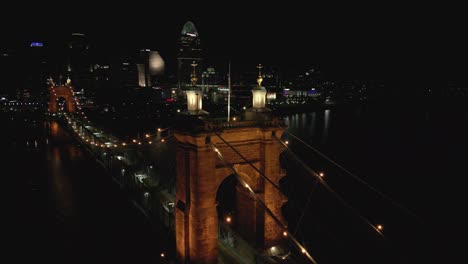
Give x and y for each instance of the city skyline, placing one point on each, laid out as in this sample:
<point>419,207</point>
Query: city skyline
<point>343,45</point>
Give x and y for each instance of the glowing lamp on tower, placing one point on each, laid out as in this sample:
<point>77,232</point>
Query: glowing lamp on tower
<point>258,97</point>
<point>259,93</point>
<point>194,100</point>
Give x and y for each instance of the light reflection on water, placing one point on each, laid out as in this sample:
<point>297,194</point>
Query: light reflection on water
<point>89,209</point>
<point>68,208</point>
<point>61,190</point>
<point>363,141</point>
<point>326,125</point>
<point>305,125</point>
<point>312,124</point>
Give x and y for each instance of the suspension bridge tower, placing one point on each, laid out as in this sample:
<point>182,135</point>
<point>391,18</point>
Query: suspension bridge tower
<point>211,151</point>
<point>61,91</point>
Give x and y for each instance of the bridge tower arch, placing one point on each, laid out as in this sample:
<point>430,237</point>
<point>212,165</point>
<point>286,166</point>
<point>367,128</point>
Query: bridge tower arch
<point>65,92</point>
<point>200,173</point>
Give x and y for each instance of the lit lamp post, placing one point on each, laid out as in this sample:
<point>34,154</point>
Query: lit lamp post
<point>259,92</point>
<point>194,95</point>
<point>194,101</point>
<point>258,111</point>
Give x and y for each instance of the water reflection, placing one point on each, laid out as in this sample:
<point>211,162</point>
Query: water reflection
<point>60,183</point>
<point>68,208</point>
<point>53,128</point>
<point>303,125</point>
<point>312,124</point>
<point>304,120</point>
<point>326,125</point>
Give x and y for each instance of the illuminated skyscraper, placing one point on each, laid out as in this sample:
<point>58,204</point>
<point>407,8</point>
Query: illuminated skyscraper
<point>124,72</point>
<point>36,70</point>
<point>150,67</point>
<point>143,77</point>
<point>189,52</point>
<point>79,66</point>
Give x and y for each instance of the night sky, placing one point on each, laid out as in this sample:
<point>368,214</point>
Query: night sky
<point>342,42</point>
<point>346,41</point>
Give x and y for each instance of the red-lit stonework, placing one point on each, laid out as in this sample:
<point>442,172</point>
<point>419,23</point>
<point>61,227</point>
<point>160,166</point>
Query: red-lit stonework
<point>200,173</point>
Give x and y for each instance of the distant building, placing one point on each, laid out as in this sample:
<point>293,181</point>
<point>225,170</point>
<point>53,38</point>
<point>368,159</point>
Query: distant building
<point>102,75</point>
<point>36,69</point>
<point>143,77</point>
<point>24,72</point>
<point>79,66</point>
<point>189,52</point>
<point>124,72</point>
<point>150,67</point>
<point>210,79</point>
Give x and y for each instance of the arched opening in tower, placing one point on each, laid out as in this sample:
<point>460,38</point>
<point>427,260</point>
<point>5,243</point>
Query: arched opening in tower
<point>226,209</point>
<point>62,105</point>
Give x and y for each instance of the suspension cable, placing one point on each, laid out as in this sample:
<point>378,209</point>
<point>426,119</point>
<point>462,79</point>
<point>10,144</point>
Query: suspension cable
<point>386,197</point>
<point>251,165</point>
<point>263,205</point>
<point>305,207</point>
<point>335,194</point>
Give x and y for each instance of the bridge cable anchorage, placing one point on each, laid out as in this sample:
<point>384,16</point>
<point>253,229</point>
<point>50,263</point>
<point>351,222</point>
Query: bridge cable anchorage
<point>265,207</point>
<point>386,197</point>
<point>251,165</point>
<point>329,189</point>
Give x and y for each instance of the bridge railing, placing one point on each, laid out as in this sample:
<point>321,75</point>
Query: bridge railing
<point>222,123</point>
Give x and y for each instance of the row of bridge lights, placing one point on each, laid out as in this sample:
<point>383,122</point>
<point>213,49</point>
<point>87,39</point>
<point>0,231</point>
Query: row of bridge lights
<point>135,141</point>
<point>163,254</point>
<point>21,103</point>
<point>123,143</point>
<point>285,233</point>
<point>228,219</point>
<point>117,145</point>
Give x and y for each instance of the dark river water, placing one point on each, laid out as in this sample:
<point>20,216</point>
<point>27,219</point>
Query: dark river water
<point>416,156</point>
<point>61,207</point>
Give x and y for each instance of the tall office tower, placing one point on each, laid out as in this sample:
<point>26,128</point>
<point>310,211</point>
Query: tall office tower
<point>79,66</point>
<point>150,68</point>
<point>143,78</point>
<point>36,67</point>
<point>210,79</point>
<point>189,52</point>
<point>126,73</point>
<point>123,74</point>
